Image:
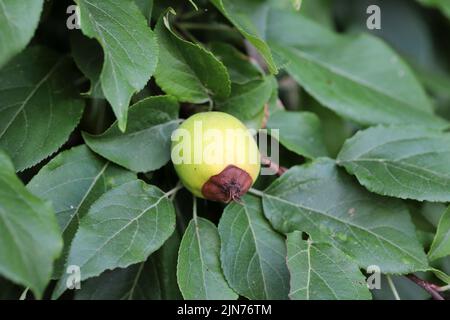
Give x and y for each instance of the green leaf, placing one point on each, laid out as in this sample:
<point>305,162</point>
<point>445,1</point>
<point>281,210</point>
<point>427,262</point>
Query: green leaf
<point>166,260</point>
<point>146,7</point>
<point>253,255</point>
<point>325,202</point>
<point>249,17</point>
<point>137,282</point>
<point>145,146</point>
<point>405,162</point>
<point>300,132</point>
<point>73,181</point>
<point>239,66</point>
<point>406,289</point>
<point>188,71</point>
<point>129,45</point>
<point>38,108</point>
<point>88,56</point>
<point>29,235</point>
<point>441,243</point>
<point>320,271</point>
<point>199,273</point>
<point>358,77</point>
<point>154,279</point>
<point>247,101</point>
<point>123,227</point>
<point>18,21</point>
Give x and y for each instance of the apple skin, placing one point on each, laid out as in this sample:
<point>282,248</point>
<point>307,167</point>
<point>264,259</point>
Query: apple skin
<point>239,164</point>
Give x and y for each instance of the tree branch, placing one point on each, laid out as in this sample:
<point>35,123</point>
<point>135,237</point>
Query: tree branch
<point>431,288</point>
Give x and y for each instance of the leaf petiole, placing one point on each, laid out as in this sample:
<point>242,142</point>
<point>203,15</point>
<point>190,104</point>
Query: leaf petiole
<point>393,288</point>
<point>256,192</point>
<point>444,288</point>
<point>23,296</point>
<point>171,193</point>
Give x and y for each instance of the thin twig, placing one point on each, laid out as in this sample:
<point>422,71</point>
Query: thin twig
<point>266,116</point>
<point>431,288</point>
<point>279,170</point>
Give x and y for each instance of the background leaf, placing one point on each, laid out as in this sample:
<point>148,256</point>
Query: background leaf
<point>73,181</point>
<point>29,235</point>
<point>39,106</point>
<point>154,279</point>
<point>239,66</point>
<point>123,227</point>
<point>129,45</point>
<point>358,77</point>
<point>247,101</point>
<point>145,146</point>
<point>199,273</point>
<point>405,162</point>
<point>146,7</point>
<point>9,291</point>
<point>441,243</point>
<point>247,17</point>
<point>442,5</point>
<point>369,228</point>
<point>253,255</point>
<point>188,71</point>
<point>18,21</point>
<point>88,56</point>
<point>320,271</point>
<point>299,132</point>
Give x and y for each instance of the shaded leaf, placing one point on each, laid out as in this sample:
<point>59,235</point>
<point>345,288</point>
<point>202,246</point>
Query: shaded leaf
<point>18,21</point>
<point>9,291</point>
<point>240,67</point>
<point>371,229</point>
<point>129,46</point>
<point>123,227</point>
<point>443,5</point>
<point>29,235</point>
<point>73,181</point>
<point>88,56</point>
<point>320,271</point>
<point>188,71</point>
<point>145,146</point>
<point>406,289</point>
<point>154,279</point>
<point>39,106</point>
<point>299,132</point>
<point>247,101</point>
<point>441,243</point>
<point>358,77</point>
<point>137,282</point>
<point>248,17</point>
<point>253,255</point>
<point>404,162</point>
<point>146,7</point>
<point>199,273</point>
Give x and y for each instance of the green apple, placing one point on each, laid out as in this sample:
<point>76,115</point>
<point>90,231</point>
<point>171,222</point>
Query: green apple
<point>215,156</point>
